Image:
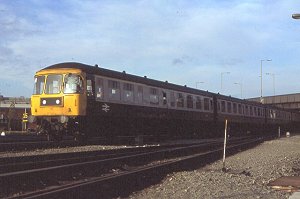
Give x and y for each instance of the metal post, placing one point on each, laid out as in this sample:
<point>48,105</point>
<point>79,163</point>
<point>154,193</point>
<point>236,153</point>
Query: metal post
<point>261,80</point>
<point>225,141</point>
<point>279,132</point>
<point>25,122</point>
<point>273,88</point>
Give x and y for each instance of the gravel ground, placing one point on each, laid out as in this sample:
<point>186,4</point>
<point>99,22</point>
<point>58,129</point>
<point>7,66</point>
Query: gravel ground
<point>66,150</point>
<point>248,174</point>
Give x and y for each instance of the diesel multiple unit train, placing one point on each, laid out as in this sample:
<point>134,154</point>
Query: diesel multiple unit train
<point>83,100</point>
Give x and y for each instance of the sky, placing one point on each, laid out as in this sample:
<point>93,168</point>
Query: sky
<point>183,42</point>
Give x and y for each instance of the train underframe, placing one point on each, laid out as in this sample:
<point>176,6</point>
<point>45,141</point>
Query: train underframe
<point>55,127</point>
<point>132,121</point>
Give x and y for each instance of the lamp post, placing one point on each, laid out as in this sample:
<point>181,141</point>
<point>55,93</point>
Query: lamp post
<point>241,86</point>
<point>261,79</point>
<point>296,16</point>
<point>222,80</point>
<point>198,83</point>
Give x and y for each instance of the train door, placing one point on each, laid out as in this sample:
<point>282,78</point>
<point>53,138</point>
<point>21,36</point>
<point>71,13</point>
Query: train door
<point>165,98</point>
<point>90,95</point>
<point>215,109</point>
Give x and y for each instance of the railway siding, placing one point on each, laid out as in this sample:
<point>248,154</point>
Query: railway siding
<point>248,175</point>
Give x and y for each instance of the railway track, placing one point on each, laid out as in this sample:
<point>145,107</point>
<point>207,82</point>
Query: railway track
<point>41,142</point>
<point>32,142</point>
<point>10,164</point>
<point>32,145</point>
<point>59,177</point>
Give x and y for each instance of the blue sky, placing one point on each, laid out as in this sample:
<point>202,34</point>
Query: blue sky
<point>183,42</point>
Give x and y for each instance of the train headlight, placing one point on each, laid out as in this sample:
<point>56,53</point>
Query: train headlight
<point>51,101</point>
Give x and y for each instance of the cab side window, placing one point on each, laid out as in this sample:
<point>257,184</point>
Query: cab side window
<point>73,84</point>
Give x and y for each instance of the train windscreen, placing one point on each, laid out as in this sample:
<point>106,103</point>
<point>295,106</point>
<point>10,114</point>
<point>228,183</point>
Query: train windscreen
<point>53,84</point>
<point>39,82</point>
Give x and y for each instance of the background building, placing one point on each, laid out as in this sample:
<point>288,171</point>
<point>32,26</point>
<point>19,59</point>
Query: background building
<point>12,111</point>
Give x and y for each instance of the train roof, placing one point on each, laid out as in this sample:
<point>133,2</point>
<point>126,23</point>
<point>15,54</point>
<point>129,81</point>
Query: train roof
<point>143,80</point>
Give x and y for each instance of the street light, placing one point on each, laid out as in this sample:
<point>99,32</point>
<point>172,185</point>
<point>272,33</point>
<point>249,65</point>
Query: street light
<point>199,83</point>
<point>261,81</point>
<point>222,80</point>
<point>296,16</point>
<point>241,85</point>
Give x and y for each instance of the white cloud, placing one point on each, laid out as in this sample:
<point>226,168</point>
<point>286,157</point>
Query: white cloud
<point>160,39</point>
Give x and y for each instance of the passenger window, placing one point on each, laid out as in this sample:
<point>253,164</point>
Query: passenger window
<point>251,111</point>
<point>247,110</point>
<point>223,107</point>
<point>139,95</point>
<point>240,109</point>
<point>206,104</point>
<point>211,105</point>
<point>153,96</point>
<point>255,111</point>
<point>198,103</point>
<point>189,101</point>
<point>172,99</point>
<point>99,89</point>
<point>180,100</point>
<point>114,89</point>
<point>234,108</point>
<point>228,107</point>
<point>128,92</point>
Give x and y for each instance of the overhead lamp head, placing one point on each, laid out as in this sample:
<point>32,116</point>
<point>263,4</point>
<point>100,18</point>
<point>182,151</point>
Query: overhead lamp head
<point>296,16</point>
